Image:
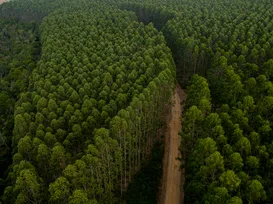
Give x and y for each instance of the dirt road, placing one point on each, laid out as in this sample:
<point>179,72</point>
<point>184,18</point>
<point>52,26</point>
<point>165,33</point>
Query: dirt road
<point>2,1</point>
<point>173,178</point>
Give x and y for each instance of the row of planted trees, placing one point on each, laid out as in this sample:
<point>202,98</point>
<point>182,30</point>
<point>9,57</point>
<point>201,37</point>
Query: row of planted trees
<point>101,81</point>
<point>227,126</point>
<point>93,107</point>
<point>228,150</point>
<point>117,152</point>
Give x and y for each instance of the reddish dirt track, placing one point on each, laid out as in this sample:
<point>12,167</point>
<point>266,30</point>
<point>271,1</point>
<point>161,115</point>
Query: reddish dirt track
<point>173,177</point>
<point>2,1</point>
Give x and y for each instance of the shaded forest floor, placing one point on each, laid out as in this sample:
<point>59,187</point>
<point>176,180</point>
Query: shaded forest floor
<point>144,187</point>
<point>173,178</point>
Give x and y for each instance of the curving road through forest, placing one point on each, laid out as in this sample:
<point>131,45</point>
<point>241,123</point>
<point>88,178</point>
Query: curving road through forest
<point>173,178</point>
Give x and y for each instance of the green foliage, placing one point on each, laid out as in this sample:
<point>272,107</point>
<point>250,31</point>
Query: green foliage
<point>93,104</point>
<point>18,53</point>
<point>87,114</point>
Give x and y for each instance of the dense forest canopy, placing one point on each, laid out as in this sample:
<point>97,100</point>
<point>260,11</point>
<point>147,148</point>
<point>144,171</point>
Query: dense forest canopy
<point>85,85</point>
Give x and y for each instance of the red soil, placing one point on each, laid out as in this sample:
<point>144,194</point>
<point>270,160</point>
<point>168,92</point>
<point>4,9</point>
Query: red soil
<point>2,1</point>
<point>173,177</point>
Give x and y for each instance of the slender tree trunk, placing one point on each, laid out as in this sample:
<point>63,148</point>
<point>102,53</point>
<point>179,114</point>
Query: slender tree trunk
<point>121,171</point>
<point>125,163</point>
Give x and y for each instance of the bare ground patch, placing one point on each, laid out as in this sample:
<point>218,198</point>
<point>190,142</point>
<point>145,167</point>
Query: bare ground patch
<point>2,1</point>
<point>173,178</point>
